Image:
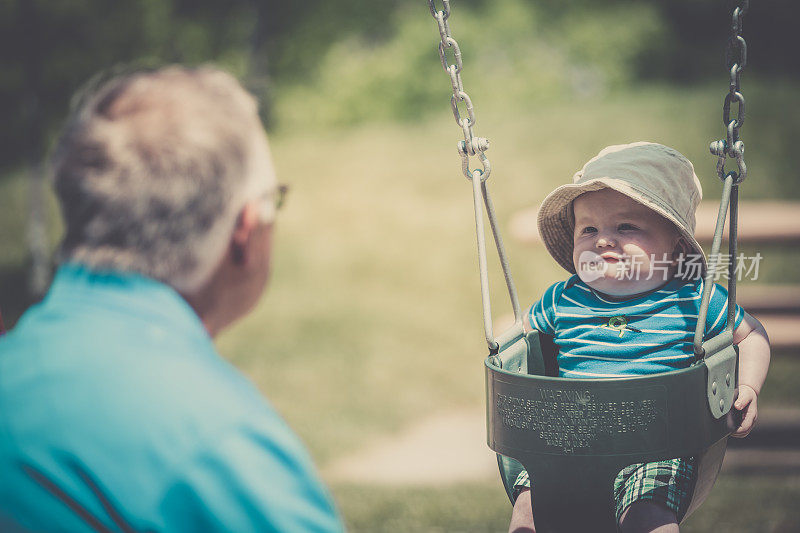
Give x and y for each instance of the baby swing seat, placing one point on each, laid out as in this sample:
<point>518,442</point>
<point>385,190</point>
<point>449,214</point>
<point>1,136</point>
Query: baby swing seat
<point>574,436</point>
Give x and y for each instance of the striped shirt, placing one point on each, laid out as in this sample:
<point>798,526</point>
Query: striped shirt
<point>648,334</point>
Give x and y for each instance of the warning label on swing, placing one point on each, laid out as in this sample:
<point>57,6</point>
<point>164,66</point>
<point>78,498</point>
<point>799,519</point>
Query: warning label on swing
<point>575,421</point>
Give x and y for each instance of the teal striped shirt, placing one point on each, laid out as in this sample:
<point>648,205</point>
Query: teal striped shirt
<point>651,333</point>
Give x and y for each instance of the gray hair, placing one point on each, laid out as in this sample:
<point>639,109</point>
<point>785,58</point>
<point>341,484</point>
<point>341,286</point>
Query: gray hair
<point>152,170</point>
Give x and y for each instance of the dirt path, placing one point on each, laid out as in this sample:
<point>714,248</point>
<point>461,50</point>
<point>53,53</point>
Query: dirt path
<point>443,449</point>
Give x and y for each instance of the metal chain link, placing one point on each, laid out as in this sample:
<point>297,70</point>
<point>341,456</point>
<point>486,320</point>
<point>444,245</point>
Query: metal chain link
<point>735,59</point>
<point>732,146</point>
<point>476,146</point>
<point>471,145</point>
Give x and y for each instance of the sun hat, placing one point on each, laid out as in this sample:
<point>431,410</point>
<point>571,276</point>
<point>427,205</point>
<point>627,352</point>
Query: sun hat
<point>652,174</point>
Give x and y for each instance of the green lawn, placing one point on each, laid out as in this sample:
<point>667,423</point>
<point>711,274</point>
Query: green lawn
<point>372,319</point>
<point>737,505</point>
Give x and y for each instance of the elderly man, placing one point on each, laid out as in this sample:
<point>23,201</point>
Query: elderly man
<point>116,412</point>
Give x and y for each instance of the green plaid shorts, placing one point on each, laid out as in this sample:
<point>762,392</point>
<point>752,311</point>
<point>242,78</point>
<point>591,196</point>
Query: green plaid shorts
<point>666,482</point>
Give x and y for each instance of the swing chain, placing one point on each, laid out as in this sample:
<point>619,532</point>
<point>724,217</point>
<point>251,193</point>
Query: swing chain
<point>471,145</point>
<point>735,60</point>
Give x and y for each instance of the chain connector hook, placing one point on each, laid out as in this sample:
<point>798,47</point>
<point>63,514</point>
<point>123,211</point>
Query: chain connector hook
<point>718,148</point>
<point>470,173</point>
<point>475,146</point>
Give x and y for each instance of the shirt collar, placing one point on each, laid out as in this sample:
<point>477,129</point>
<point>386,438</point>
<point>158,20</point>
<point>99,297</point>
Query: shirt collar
<point>652,295</point>
<point>78,286</point>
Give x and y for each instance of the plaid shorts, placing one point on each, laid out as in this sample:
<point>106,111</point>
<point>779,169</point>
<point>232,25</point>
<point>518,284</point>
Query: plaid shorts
<point>666,482</point>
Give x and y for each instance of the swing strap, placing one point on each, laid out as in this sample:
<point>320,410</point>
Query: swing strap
<point>730,147</point>
<point>476,146</point>
<point>721,381</point>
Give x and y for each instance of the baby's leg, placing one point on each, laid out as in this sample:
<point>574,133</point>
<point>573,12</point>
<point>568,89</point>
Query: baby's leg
<point>648,517</point>
<point>522,515</point>
<point>642,516</point>
<point>650,496</point>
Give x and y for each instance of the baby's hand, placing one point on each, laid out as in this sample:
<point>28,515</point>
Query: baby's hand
<point>747,403</point>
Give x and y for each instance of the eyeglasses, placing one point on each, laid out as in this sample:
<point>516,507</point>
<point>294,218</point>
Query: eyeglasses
<point>273,201</point>
<point>280,193</point>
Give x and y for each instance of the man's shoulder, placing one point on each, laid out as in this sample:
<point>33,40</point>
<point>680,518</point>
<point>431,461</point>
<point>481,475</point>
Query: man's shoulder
<point>164,420</point>
<point>127,382</point>
<point>195,396</point>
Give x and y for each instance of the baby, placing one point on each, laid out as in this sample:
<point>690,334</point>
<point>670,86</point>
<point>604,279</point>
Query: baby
<point>625,229</point>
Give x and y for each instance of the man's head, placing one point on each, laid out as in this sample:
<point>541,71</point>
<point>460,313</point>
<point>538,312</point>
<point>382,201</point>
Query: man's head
<point>168,174</point>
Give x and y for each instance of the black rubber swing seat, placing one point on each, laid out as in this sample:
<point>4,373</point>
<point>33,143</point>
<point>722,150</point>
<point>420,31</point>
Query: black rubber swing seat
<point>574,436</point>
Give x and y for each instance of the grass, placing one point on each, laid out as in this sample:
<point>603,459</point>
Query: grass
<point>751,505</point>
<point>372,319</point>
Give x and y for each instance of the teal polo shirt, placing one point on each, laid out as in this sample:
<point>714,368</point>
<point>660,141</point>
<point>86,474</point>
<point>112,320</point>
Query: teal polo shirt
<point>117,414</point>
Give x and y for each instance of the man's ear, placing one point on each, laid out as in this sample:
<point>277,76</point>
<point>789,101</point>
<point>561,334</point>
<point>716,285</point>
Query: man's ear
<point>246,222</point>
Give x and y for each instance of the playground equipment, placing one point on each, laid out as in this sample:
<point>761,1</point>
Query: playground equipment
<point>574,435</point>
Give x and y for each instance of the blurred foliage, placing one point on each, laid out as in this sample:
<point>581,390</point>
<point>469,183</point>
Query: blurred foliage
<point>351,61</point>
<point>512,51</point>
<point>48,48</point>
<point>756,504</point>
<point>698,31</point>
<point>530,52</point>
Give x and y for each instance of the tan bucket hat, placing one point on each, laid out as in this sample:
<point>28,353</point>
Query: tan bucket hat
<point>654,175</point>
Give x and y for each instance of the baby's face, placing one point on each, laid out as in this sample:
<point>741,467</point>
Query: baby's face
<point>622,248</point>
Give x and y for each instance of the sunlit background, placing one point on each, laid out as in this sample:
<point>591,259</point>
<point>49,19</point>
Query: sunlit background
<point>369,340</point>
